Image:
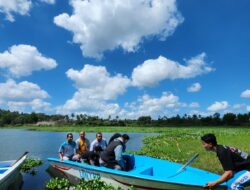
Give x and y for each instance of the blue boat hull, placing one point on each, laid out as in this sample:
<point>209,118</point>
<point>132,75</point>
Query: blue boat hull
<point>145,173</point>
<point>10,177</point>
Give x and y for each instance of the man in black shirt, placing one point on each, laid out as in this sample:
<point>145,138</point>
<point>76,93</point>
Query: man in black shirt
<point>232,160</point>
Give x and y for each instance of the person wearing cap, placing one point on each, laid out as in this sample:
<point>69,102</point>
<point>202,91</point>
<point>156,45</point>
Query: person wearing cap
<point>236,164</point>
<point>111,157</point>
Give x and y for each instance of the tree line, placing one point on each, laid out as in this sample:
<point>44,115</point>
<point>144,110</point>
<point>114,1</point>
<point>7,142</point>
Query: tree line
<point>229,119</point>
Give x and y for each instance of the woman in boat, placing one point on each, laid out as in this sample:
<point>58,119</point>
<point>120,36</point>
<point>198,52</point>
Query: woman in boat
<point>232,160</point>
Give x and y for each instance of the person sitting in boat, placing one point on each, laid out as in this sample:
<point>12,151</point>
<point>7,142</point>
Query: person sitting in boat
<point>67,149</point>
<point>114,136</point>
<point>99,141</point>
<point>232,160</point>
<point>111,157</point>
<point>82,145</point>
<point>92,157</point>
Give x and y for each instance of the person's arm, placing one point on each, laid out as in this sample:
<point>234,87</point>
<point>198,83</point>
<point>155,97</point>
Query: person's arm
<point>77,147</point>
<point>91,146</point>
<point>91,162</point>
<point>61,152</point>
<point>61,155</point>
<point>224,177</point>
<point>88,144</point>
<point>118,156</point>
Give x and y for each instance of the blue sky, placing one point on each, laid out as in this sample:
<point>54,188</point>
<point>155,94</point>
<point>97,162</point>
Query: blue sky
<point>125,58</point>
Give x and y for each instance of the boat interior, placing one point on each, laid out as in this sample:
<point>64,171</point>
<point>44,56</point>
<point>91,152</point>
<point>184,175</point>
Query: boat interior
<point>4,166</point>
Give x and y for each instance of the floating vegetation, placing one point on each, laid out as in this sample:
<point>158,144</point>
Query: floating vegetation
<point>179,145</point>
<point>57,184</point>
<point>94,184</point>
<point>30,164</point>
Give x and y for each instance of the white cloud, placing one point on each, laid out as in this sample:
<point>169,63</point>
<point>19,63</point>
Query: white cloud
<point>154,70</point>
<point>238,106</point>
<point>218,106</point>
<point>245,94</point>
<point>83,103</point>
<point>22,60</point>
<point>49,1</point>
<point>95,87</point>
<point>149,106</point>
<point>19,96</point>
<point>97,83</point>
<point>194,87</point>
<point>248,108</point>
<point>8,7</point>
<point>101,25</point>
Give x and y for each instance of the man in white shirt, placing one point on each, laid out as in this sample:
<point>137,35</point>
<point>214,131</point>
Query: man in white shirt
<point>99,141</point>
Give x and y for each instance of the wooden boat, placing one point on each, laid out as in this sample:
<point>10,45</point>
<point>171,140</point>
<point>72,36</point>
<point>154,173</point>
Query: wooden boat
<point>10,172</point>
<point>144,173</point>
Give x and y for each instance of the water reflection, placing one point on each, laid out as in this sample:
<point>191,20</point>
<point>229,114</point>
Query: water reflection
<point>17,184</point>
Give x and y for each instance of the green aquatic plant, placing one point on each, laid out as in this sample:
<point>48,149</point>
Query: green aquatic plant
<point>58,184</point>
<point>30,164</point>
<point>93,184</point>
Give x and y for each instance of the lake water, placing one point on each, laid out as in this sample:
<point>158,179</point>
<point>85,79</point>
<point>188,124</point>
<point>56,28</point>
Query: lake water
<point>39,144</point>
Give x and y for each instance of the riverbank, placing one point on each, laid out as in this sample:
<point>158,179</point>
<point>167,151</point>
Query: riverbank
<point>132,129</point>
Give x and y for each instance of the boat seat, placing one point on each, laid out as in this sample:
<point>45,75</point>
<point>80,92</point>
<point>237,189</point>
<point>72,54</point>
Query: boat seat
<point>145,170</point>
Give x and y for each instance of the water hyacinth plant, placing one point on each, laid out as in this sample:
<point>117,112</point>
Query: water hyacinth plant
<point>30,164</point>
<point>94,184</point>
<point>58,184</point>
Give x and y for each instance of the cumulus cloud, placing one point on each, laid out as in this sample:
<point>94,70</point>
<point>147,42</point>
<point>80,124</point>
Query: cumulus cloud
<point>151,106</point>
<point>10,7</point>
<point>97,83</point>
<point>15,97</point>
<point>154,70</point>
<point>49,1</point>
<point>100,25</point>
<point>84,103</point>
<point>194,87</point>
<point>22,60</point>
<point>245,94</point>
<point>95,87</point>
<point>218,106</point>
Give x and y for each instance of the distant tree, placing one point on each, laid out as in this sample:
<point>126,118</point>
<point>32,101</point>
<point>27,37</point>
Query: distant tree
<point>144,120</point>
<point>243,119</point>
<point>216,119</point>
<point>229,119</point>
